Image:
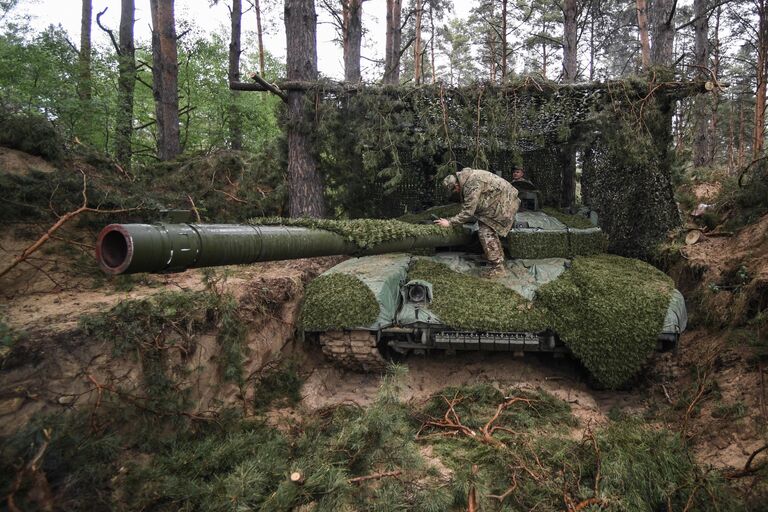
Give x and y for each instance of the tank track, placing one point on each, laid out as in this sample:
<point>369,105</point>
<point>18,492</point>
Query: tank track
<point>354,350</point>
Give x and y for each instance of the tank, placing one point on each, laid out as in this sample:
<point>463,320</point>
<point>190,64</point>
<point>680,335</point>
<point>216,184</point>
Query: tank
<point>418,289</point>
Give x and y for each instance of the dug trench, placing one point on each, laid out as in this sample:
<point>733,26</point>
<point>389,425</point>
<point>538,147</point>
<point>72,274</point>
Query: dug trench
<point>197,348</point>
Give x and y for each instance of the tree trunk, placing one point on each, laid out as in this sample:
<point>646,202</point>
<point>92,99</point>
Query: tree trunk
<point>642,26</point>
<point>84,58</point>
<point>570,33</point>
<point>662,32</point>
<point>417,43</point>
<point>432,41</point>
<point>742,136</point>
<point>305,188</point>
<point>713,125</point>
<point>394,39</point>
<point>503,41</point>
<point>592,49</point>
<point>235,124</point>
<point>570,69</point>
<point>126,82</point>
<point>761,74</point>
<point>544,54</point>
<point>701,103</point>
<point>259,35</point>
<point>353,37</point>
<point>165,70</point>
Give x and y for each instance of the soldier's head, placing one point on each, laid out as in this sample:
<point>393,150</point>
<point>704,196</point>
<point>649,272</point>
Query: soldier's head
<point>451,185</point>
<point>518,173</point>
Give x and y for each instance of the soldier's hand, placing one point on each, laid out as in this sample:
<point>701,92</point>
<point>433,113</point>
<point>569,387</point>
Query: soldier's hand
<point>443,223</point>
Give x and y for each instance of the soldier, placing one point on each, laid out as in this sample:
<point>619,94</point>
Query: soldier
<point>529,195</point>
<point>518,173</point>
<point>493,202</point>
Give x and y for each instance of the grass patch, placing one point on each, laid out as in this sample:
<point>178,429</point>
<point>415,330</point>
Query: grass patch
<point>281,383</point>
<point>99,462</point>
<point>338,301</point>
<point>625,466</point>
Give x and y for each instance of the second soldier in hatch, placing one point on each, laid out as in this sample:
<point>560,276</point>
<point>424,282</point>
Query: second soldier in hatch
<point>491,200</point>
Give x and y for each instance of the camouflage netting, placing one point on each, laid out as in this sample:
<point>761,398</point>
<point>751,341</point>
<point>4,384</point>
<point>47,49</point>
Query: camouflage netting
<point>467,302</point>
<point>338,301</point>
<point>607,309</point>
<point>610,330</point>
<point>392,145</point>
<point>362,232</point>
<point>572,221</point>
<point>530,244</point>
<point>627,180</point>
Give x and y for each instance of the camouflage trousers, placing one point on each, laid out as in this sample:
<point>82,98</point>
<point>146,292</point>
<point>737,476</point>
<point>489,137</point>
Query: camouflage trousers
<point>491,245</point>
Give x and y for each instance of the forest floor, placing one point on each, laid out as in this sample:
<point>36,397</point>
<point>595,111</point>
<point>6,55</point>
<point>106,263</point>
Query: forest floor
<point>711,389</point>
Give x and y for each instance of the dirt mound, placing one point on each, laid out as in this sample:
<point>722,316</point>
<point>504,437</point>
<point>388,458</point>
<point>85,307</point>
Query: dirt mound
<point>715,389</point>
<point>733,269</point>
<point>56,365</point>
<point>17,162</point>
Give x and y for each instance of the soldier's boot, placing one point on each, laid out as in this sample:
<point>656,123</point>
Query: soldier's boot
<point>493,252</point>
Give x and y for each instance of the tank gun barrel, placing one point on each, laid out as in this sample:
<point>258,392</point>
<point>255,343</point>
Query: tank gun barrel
<point>131,248</point>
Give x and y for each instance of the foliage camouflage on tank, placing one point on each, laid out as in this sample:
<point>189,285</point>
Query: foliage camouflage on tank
<point>364,233</point>
<point>612,332</point>
<point>338,301</point>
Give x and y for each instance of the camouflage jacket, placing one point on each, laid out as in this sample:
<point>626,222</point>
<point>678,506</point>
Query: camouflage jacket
<point>489,198</point>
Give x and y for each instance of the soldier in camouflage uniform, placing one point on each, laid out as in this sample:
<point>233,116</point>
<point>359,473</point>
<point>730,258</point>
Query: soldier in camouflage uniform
<point>493,201</point>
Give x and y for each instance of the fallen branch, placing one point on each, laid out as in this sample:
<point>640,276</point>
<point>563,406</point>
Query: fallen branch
<point>452,422</point>
<point>508,492</point>
<point>234,198</point>
<point>194,208</point>
<point>584,504</point>
<point>702,388</point>
<point>748,469</point>
<point>591,437</point>
<point>374,476</point>
<point>274,89</point>
<point>136,401</point>
<point>57,225</point>
<point>490,428</point>
<point>32,469</point>
<point>472,497</point>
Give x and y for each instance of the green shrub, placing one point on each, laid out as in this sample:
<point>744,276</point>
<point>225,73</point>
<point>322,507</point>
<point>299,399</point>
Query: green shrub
<point>280,383</point>
<point>32,134</point>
